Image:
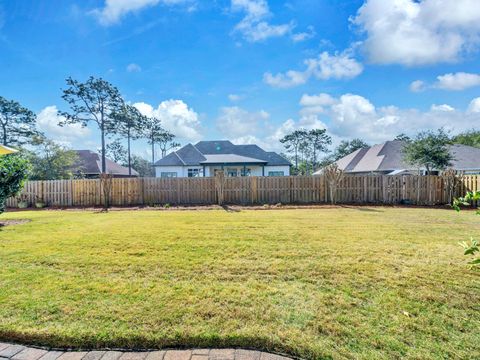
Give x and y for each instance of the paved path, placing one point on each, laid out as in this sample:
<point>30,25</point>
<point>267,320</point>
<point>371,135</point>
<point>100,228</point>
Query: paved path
<point>19,352</point>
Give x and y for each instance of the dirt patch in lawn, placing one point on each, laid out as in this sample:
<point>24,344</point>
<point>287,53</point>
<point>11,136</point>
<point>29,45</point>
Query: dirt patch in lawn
<point>13,222</point>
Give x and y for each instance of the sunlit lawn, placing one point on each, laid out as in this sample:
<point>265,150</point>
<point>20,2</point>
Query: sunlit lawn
<point>366,283</point>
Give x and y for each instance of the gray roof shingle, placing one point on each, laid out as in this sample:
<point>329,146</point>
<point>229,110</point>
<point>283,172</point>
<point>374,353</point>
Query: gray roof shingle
<point>465,157</point>
<point>197,154</point>
<point>171,159</point>
<point>215,147</point>
<point>190,155</point>
<point>90,163</point>
<point>230,159</point>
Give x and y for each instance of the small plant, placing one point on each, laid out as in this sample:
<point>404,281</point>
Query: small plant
<point>39,202</point>
<point>467,200</point>
<point>167,206</point>
<point>334,175</point>
<point>13,173</point>
<point>106,184</point>
<point>470,249</point>
<point>22,201</point>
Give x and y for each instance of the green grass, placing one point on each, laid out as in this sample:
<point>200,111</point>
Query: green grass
<point>366,283</point>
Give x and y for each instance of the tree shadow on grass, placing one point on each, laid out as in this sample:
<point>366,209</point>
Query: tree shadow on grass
<point>230,209</point>
<point>361,208</point>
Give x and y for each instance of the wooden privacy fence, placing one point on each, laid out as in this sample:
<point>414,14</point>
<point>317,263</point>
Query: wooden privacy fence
<point>407,189</point>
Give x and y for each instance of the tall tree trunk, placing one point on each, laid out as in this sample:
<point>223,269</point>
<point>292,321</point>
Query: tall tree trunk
<point>296,160</point>
<point>104,163</point>
<point>129,157</point>
<point>153,152</point>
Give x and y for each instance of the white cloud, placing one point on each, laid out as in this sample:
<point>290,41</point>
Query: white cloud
<point>268,136</point>
<point>251,139</point>
<point>412,32</point>
<point>47,122</point>
<point>235,122</point>
<point>246,127</point>
<point>290,79</point>
<point>271,138</point>
<point>353,115</point>
<point>443,107</point>
<point>458,81</point>
<point>114,10</point>
<point>321,99</point>
<point>235,97</point>
<point>324,67</point>
<point>303,36</point>
<point>133,67</point>
<point>176,117</point>
<point>452,81</point>
<point>474,107</point>
<point>315,104</point>
<point>418,86</point>
<point>338,66</point>
<point>254,26</point>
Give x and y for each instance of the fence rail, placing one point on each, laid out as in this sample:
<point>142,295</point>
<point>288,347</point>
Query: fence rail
<point>415,190</point>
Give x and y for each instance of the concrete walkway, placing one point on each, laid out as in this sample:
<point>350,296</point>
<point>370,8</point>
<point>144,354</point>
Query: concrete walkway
<point>20,352</point>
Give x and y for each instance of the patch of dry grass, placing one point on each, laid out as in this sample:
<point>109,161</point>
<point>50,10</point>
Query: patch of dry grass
<point>366,283</point>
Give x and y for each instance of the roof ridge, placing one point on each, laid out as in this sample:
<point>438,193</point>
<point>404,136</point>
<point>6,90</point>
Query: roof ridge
<point>183,162</point>
<point>197,149</point>
<point>383,156</point>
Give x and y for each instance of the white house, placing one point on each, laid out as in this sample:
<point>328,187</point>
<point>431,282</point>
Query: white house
<point>206,157</point>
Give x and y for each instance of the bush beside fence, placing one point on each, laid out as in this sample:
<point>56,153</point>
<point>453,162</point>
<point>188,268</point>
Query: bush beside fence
<point>406,189</point>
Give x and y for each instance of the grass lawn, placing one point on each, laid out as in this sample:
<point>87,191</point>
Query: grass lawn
<point>364,283</point>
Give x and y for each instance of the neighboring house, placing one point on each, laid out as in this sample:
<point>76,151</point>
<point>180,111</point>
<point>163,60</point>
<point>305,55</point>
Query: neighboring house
<point>89,164</point>
<point>207,157</point>
<point>387,159</point>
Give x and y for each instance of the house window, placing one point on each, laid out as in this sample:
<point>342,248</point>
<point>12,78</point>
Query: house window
<point>232,172</point>
<point>193,172</point>
<point>247,172</point>
<point>168,174</point>
<point>276,173</point>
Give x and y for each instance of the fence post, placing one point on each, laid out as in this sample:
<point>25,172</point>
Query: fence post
<point>220,186</point>
<point>384,189</point>
<point>142,191</point>
<point>42,191</point>
<point>291,193</point>
<point>70,193</point>
<point>253,189</point>
<point>365,189</point>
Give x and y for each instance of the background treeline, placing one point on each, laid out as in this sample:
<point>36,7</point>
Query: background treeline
<point>95,103</point>
<point>310,150</point>
<point>98,103</point>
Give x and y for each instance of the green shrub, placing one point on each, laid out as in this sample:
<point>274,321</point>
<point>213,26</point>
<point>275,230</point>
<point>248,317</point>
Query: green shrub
<point>471,248</point>
<point>13,173</point>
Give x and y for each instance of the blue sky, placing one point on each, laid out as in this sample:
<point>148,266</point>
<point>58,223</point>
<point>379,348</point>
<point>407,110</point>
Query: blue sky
<point>251,70</point>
